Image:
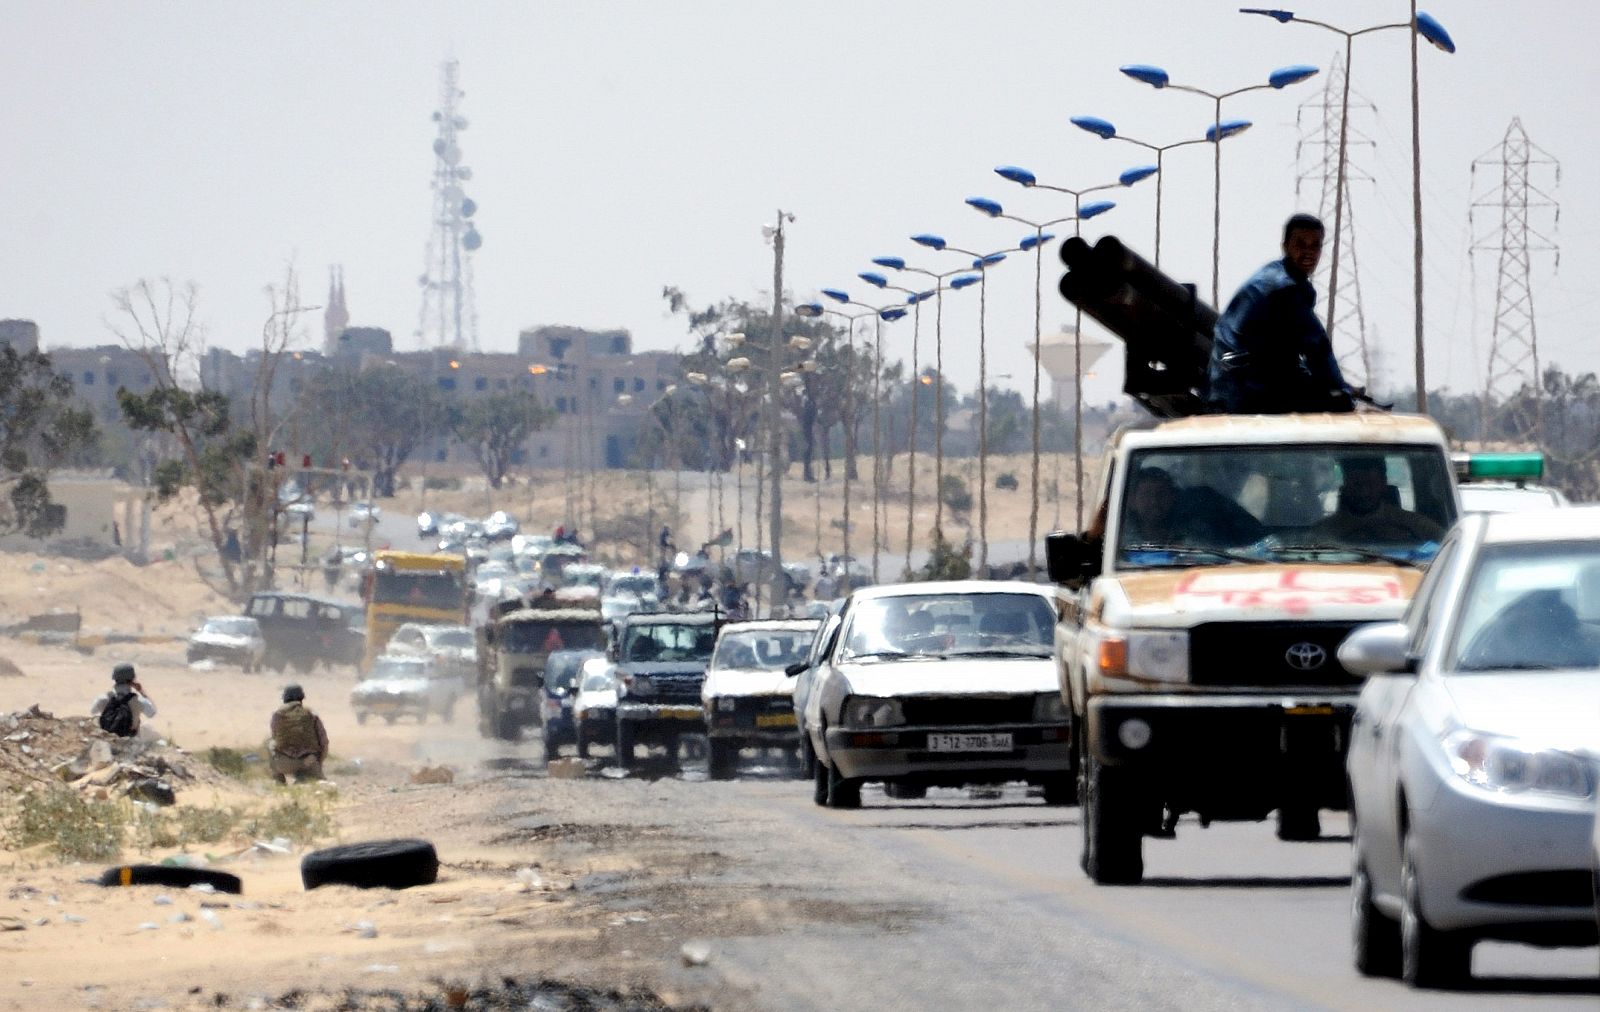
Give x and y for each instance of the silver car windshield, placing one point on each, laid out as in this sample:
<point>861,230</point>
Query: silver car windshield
<point>395,669</point>
<point>1530,607</point>
<point>232,626</point>
<point>950,625</point>
<point>1207,506</point>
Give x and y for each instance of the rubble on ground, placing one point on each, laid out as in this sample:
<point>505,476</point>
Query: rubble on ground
<point>39,748</point>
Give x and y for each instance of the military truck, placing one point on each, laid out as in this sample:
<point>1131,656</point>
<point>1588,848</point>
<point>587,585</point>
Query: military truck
<point>513,646</point>
<point>661,663</point>
<point>1228,557</point>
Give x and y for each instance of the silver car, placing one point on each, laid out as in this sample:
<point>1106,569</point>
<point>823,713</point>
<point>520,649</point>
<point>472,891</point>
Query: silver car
<point>1471,758</point>
<point>399,685</point>
<point>939,684</point>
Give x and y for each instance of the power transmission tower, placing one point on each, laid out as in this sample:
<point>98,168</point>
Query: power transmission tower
<point>449,316</point>
<point>1317,162</point>
<point>1512,200</point>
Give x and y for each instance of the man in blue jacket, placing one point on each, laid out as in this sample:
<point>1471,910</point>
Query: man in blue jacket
<point>1269,352</point>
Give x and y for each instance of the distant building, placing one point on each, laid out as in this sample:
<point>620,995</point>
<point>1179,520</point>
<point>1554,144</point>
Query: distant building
<point>22,335</point>
<point>336,317</point>
<point>354,342</point>
<point>97,373</point>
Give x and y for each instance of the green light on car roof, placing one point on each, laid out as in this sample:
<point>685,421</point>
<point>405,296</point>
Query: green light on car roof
<point>1504,465</point>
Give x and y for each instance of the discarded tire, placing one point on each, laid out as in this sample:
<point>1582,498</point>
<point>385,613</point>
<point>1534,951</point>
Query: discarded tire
<point>175,876</point>
<point>386,864</point>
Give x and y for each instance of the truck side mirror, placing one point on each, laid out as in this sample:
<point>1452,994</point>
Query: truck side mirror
<point>1069,559</point>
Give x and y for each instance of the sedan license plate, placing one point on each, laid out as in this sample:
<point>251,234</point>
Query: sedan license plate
<point>993,742</point>
<point>775,720</point>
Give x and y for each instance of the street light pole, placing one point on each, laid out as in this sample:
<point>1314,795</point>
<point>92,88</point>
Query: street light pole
<point>774,395</point>
<point>1278,79</point>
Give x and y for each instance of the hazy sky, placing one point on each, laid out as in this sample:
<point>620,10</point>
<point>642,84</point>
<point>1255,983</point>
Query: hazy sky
<point>619,147</point>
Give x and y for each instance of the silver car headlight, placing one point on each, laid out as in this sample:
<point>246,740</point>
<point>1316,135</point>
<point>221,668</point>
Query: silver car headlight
<point>871,711</point>
<point>1507,764</point>
<point>1049,708</point>
<point>1160,655</point>
<point>726,704</point>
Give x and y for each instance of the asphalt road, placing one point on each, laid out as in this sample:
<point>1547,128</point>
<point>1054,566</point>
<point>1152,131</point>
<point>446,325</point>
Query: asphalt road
<point>964,902</point>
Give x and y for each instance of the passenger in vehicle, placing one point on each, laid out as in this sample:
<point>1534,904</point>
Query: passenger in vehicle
<point>1369,511</point>
<point>1538,629</point>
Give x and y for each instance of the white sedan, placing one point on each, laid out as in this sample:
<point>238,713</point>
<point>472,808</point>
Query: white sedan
<point>939,685</point>
<point>1473,750</point>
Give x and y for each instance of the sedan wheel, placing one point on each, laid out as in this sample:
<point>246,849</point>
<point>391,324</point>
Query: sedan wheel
<point>819,781</point>
<point>842,793</point>
<point>1375,939</point>
<point>808,758</point>
<point>1428,957</point>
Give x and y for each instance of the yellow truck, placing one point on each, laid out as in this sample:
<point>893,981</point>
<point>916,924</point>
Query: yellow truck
<point>403,587</point>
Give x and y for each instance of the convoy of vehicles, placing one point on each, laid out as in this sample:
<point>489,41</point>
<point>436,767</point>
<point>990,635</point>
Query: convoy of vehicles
<point>403,587</point>
<point>747,694</point>
<point>1202,615</point>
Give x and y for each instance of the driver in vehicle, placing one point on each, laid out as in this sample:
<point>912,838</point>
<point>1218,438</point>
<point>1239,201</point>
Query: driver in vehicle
<point>1153,516</point>
<point>1369,511</point>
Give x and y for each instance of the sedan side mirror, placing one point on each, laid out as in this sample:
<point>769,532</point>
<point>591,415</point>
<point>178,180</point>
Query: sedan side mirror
<point>795,668</point>
<point>1378,649</point>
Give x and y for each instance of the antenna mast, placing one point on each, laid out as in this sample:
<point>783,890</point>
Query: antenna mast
<point>449,316</point>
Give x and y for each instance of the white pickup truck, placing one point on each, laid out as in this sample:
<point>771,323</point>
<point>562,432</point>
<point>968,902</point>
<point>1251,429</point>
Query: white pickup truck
<point>1202,612</point>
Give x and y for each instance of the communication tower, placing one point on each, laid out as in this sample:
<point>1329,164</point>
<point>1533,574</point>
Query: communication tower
<point>449,315</point>
<point>1317,160</point>
<point>1511,201</point>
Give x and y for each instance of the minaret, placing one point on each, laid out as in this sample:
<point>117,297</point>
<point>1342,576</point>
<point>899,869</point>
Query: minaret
<point>337,316</point>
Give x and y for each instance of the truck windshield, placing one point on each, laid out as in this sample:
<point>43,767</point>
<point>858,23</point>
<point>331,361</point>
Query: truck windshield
<point>543,637</point>
<point>663,642</point>
<point>1211,505</point>
<point>429,589</point>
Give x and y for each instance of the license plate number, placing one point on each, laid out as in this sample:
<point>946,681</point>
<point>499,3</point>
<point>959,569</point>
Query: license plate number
<point>995,742</point>
<point>774,720</point>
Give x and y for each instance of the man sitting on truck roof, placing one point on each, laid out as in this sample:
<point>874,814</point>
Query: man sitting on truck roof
<point>1269,352</point>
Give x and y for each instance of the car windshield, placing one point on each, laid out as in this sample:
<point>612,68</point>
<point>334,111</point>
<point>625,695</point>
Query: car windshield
<point>562,669</point>
<point>1205,506</point>
<point>950,625</point>
<point>661,642</point>
<point>766,648</point>
<point>597,682</point>
<point>231,626</point>
<point>454,639</point>
<point>393,669</point>
<point>1533,607</point>
<point>543,637</point>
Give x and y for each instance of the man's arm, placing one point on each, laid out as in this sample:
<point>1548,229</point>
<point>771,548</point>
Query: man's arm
<point>146,707</point>
<point>98,705</point>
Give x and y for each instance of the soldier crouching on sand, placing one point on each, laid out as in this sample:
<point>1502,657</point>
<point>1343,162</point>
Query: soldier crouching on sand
<point>299,741</point>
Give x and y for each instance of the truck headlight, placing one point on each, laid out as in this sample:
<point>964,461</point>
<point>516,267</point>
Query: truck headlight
<point>726,704</point>
<point>870,711</point>
<point>1506,764</point>
<point>1157,655</point>
<point>1049,708</point>
<point>641,685</point>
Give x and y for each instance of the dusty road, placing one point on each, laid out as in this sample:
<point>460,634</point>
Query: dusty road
<point>957,901</point>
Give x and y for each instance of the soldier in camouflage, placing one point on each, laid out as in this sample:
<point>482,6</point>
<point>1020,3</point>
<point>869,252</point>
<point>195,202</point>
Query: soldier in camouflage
<point>299,741</point>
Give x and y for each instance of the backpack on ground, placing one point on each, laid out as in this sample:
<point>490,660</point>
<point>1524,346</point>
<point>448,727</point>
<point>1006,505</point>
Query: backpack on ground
<point>117,717</point>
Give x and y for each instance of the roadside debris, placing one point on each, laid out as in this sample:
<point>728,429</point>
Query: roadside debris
<point>433,775</point>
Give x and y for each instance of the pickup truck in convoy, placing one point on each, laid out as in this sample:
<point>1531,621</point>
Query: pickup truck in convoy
<point>1202,610</point>
<point>661,661</point>
<point>514,645</point>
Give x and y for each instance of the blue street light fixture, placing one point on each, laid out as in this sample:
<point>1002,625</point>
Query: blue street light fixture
<point>895,263</point>
<point>1421,24</point>
<point>1034,243</point>
<point>1279,79</point>
<point>1081,213</point>
<point>1106,130</point>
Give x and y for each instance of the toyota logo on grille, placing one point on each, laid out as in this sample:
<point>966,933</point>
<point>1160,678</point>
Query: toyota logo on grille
<point>1306,656</point>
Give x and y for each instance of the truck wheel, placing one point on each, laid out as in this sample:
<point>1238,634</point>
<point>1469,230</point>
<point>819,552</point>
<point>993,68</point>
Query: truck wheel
<point>552,748</point>
<point>505,727</point>
<point>722,759</point>
<point>842,793</point>
<point>625,742</point>
<point>1298,823</point>
<point>1113,848</point>
<point>583,742</point>
<point>1061,790</point>
<point>1375,938</point>
<point>1428,957</point>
